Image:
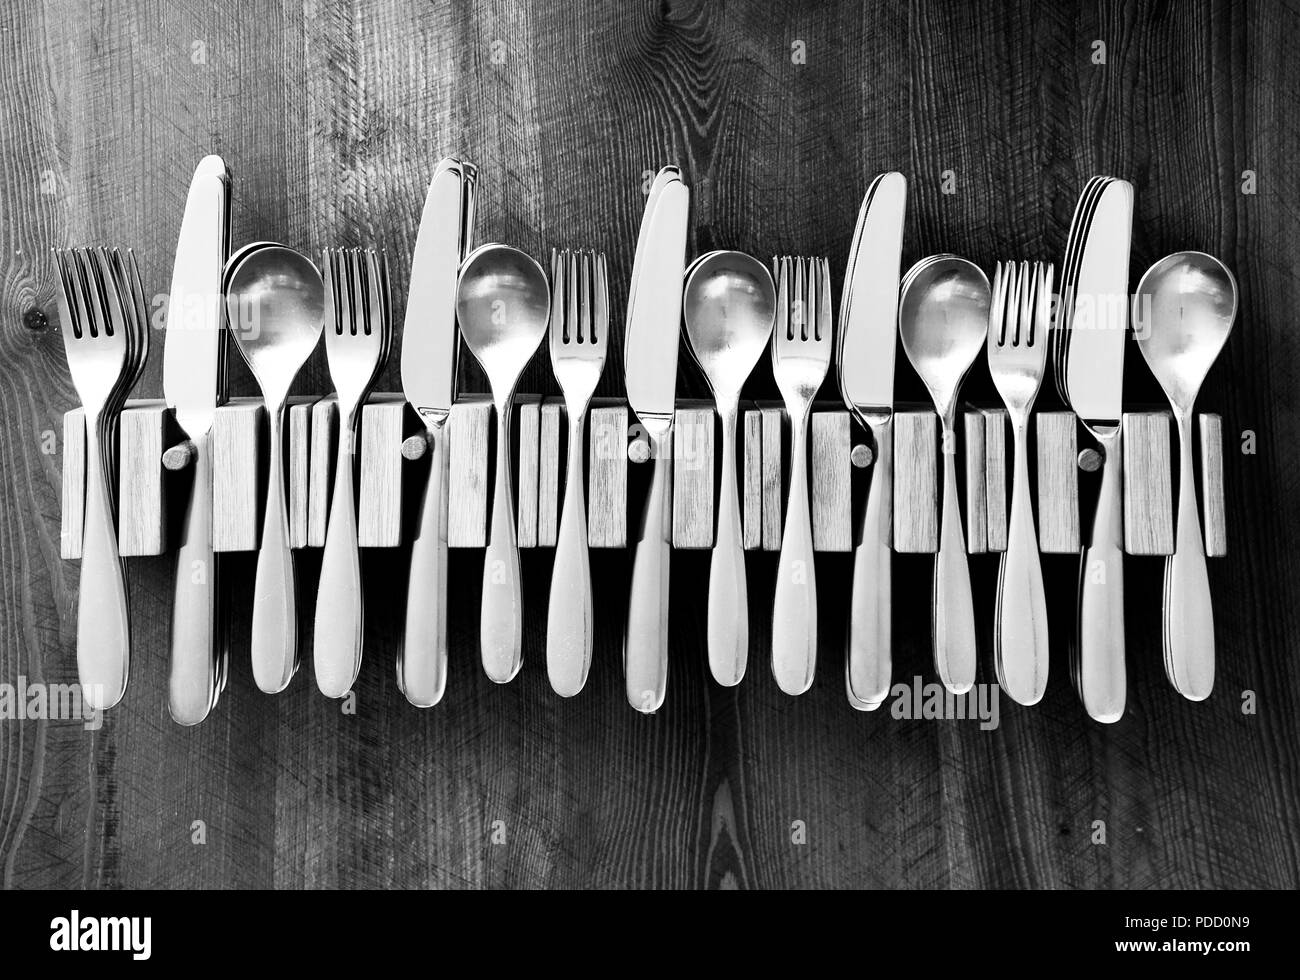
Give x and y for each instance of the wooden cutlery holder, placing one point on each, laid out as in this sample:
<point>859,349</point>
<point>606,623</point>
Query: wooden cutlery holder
<point>391,444</point>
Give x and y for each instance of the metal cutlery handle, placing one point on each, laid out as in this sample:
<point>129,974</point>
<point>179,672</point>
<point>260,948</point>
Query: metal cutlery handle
<point>728,628</point>
<point>570,617</point>
<point>869,663</point>
<point>645,647</point>
<point>1020,633</point>
<point>954,611</point>
<point>336,648</point>
<point>103,619</point>
<point>275,607</point>
<point>1100,676</point>
<point>194,669</point>
<point>794,612</point>
<point>501,616</point>
<point>422,669</point>
<point>1188,614</point>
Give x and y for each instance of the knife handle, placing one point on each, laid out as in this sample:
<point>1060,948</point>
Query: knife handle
<point>868,667</point>
<point>501,628</point>
<point>1188,614</point>
<point>422,669</point>
<point>1020,632</point>
<point>728,628</point>
<point>570,615</point>
<point>1100,673</point>
<point>954,610</point>
<point>194,670</point>
<point>103,617</point>
<point>275,609</point>
<point>645,647</point>
<point>794,611</point>
<point>336,651</point>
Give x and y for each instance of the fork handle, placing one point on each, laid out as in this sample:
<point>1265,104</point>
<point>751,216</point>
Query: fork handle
<point>645,647</point>
<point>869,663</point>
<point>1100,645</point>
<point>1020,634</point>
<point>194,671</point>
<point>954,610</point>
<point>422,670</point>
<point>1188,614</point>
<point>794,612</point>
<point>103,618</point>
<point>336,652</point>
<point>728,628</point>
<point>501,628</point>
<point>274,644</point>
<point>570,617</point>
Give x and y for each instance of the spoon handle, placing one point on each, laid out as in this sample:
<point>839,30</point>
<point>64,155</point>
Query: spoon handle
<point>869,663</point>
<point>794,612</point>
<point>274,643</point>
<point>1020,633</point>
<point>422,670</point>
<point>954,610</point>
<point>103,618</point>
<point>1099,673</point>
<point>570,618</point>
<point>728,628</point>
<point>339,624</point>
<point>195,649</point>
<point>501,615</point>
<point>645,647</point>
<point>1188,615</point>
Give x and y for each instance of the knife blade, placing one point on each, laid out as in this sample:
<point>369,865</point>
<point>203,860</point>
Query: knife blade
<point>650,365</point>
<point>193,386</point>
<point>868,332</point>
<point>430,347</point>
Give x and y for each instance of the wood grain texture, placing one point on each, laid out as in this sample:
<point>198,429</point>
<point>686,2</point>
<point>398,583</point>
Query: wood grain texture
<point>1056,444</point>
<point>1148,484</point>
<point>141,510</point>
<point>1213,515</point>
<point>607,476</point>
<point>320,468</point>
<point>237,442</point>
<point>298,417</point>
<point>976,473</point>
<point>916,482</point>
<point>693,468</point>
<point>549,463</point>
<point>772,485</point>
<point>832,489</point>
<point>528,429</point>
<point>379,510</point>
<point>997,462</point>
<point>470,439</point>
<point>72,506</point>
<point>332,115</point>
<point>751,478</point>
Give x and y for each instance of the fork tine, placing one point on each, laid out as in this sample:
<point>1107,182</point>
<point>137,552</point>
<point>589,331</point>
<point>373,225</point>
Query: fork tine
<point>358,295</point>
<point>584,294</point>
<point>331,287</point>
<point>801,297</point>
<point>557,325</point>
<point>825,326</point>
<point>94,297</point>
<point>67,301</point>
<point>600,313</point>
<point>781,268</point>
<point>997,308</point>
<point>1043,313</point>
<point>112,311</point>
<point>571,326</point>
<point>374,294</point>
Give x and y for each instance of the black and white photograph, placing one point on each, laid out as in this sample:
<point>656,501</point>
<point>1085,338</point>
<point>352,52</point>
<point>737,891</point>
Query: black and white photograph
<point>654,445</point>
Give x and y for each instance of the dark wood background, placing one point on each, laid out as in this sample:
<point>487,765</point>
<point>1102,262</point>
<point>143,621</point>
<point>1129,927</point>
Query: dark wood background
<point>332,115</point>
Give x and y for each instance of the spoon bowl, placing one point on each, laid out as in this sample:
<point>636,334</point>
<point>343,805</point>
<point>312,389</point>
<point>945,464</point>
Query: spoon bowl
<point>943,319</point>
<point>275,304</point>
<point>729,305</point>
<point>503,303</point>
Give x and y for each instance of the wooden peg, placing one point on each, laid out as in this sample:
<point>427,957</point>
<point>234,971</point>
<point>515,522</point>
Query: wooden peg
<point>324,433</point>
<point>916,484</point>
<point>1058,482</point>
<point>693,465</point>
<point>773,478</point>
<point>141,517</point>
<point>236,452</point>
<point>977,506</point>
<point>607,458</point>
<point>176,458</point>
<point>996,461</point>
<point>832,487</point>
<point>415,446</point>
<point>1148,495</point>
<point>548,472</point>
<point>751,480</point>
<point>1212,498</point>
<point>527,426</point>
<point>72,525</point>
<point>469,435</point>
<point>298,488</point>
<point>379,511</point>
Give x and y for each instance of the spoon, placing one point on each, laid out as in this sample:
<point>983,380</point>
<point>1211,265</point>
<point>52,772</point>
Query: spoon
<point>275,306</point>
<point>943,319</point>
<point>1183,312</point>
<point>503,303</point>
<point>729,304</point>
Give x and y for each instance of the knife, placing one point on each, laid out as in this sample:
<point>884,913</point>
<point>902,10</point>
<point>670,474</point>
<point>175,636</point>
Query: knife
<point>650,366</point>
<point>1094,378</point>
<point>193,386</point>
<point>430,345</point>
<point>868,336</point>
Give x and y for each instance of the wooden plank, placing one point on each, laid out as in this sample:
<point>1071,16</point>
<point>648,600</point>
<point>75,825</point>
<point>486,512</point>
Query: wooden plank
<point>751,480</point>
<point>527,427</point>
<point>73,484</point>
<point>1148,488</point>
<point>977,507</point>
<point>773,477</point>
<point>379,509</point>
<point>141,516</point>
<point>320,475</point>
<point>1058,482</point>
<point>916,481</point>
<point>693,466</point>
<point>607,476</point>
<point>1213,509</point>
<point>236,497</point>
<point>298,488</point>
<point>549,462</point>
<point>832,488</point>
<point>470,436</point>
<point>996,461</point>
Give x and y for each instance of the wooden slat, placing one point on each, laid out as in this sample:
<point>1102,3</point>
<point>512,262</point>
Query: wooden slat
<point>693,463</point>
<point>298,488</point>
<point>607,476</point>
<point>916,487</point>
<point>832,488</point>
<point>977,508</point>
<point>379,498</point>
<point>996,461</point>
<point>470,437</point>
<point>324,433</point>
<point>751,479</point>
<point>72,524</point>
<point>549,464</point>
<point>1058,482</point>
<point>527,427</point>
<point>1213,512</point>
<point>141,518</point>
<point>773,478</point>
<point>1148,494</point>
<point>236,500</point>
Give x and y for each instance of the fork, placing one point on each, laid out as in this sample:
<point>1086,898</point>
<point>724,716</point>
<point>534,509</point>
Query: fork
<point>356,290</point>
<point>93,317</point>
<point>801,354</point>
<point>1019,320</point>
<point>579,338</point>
